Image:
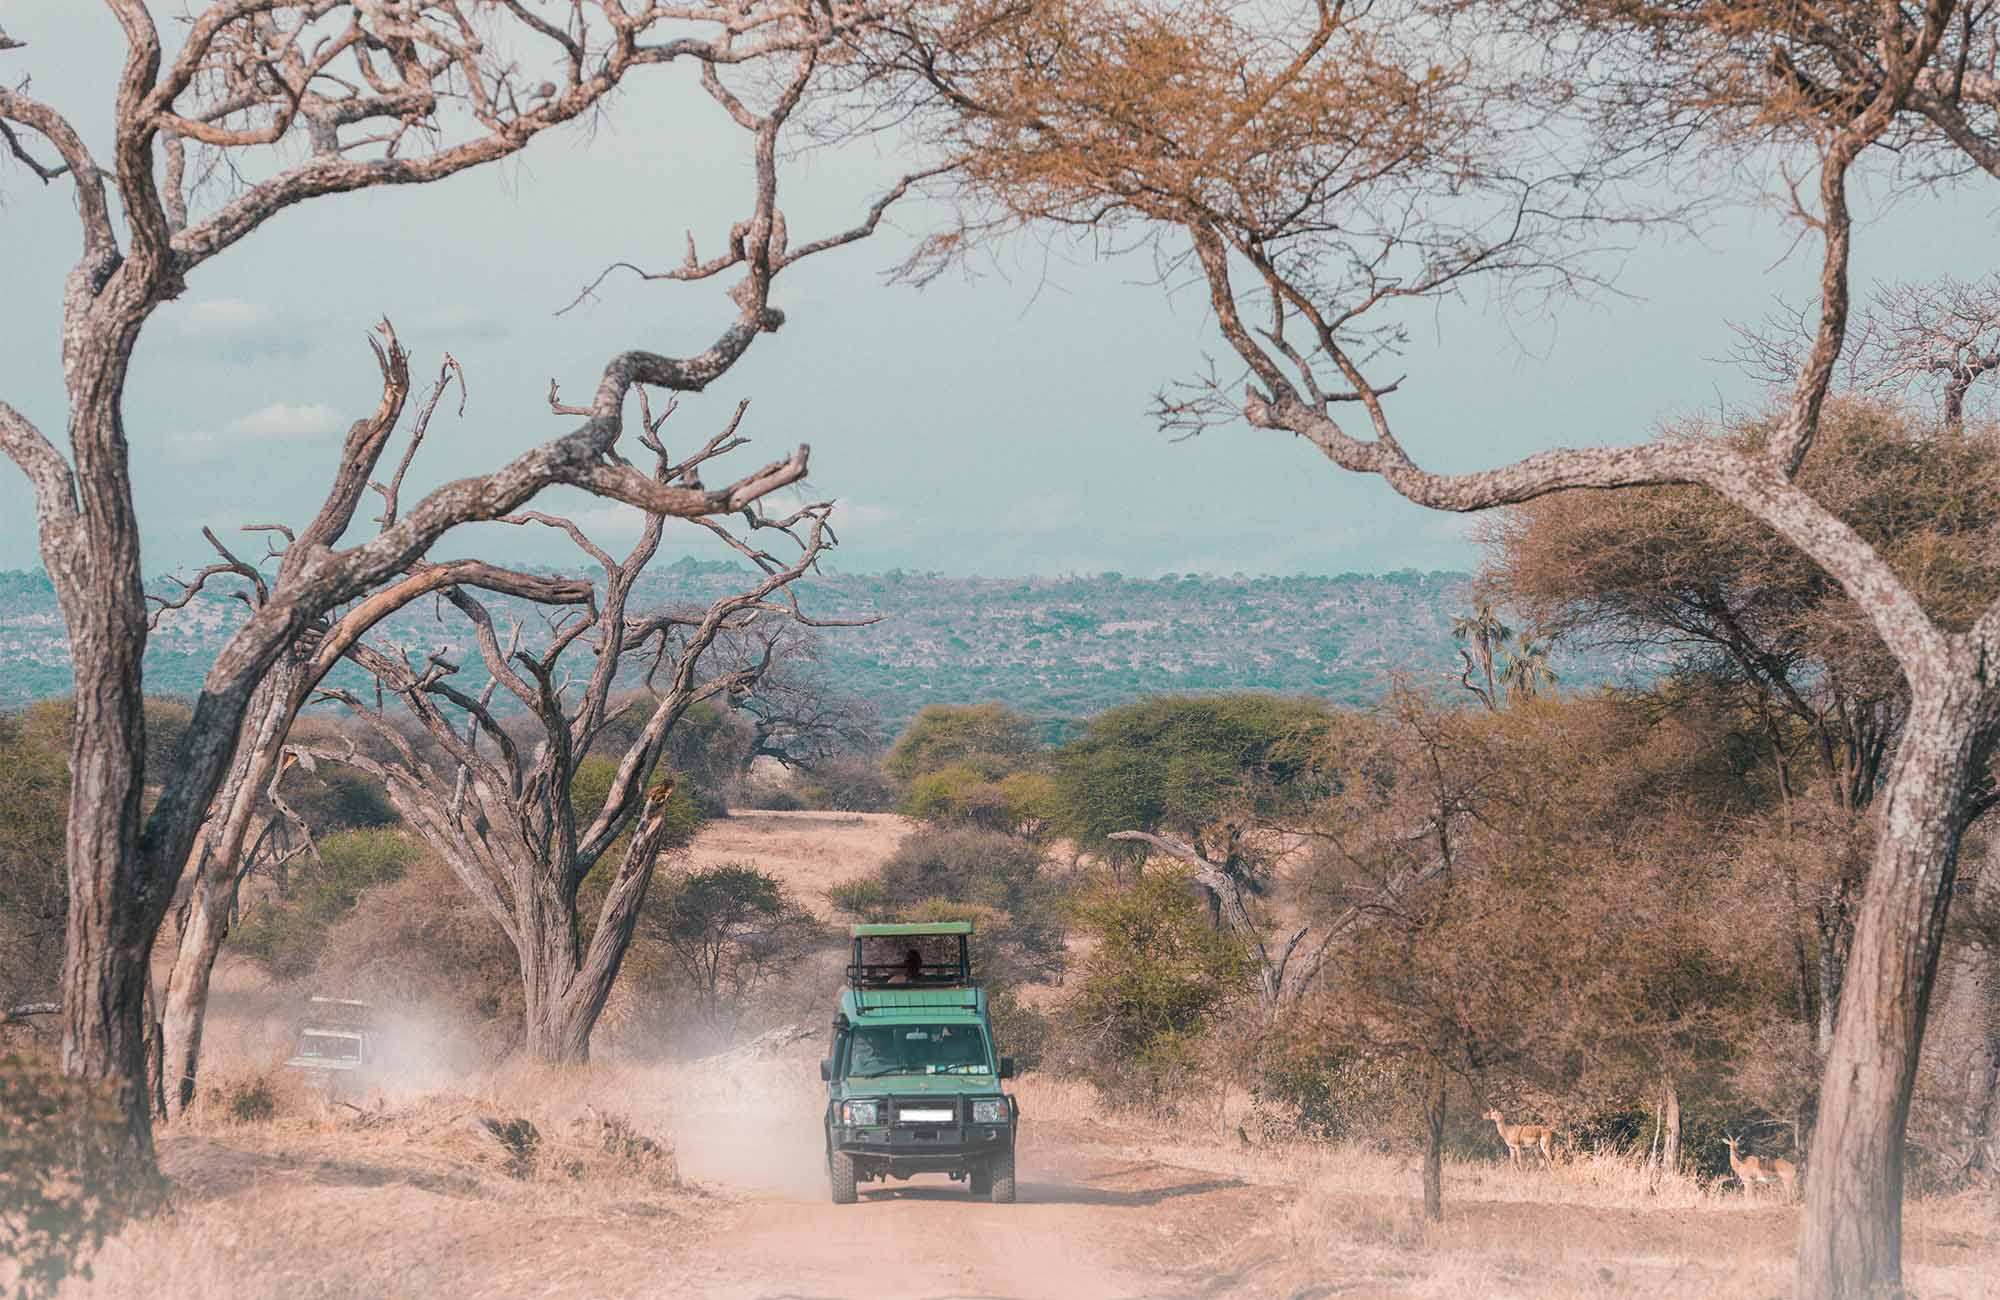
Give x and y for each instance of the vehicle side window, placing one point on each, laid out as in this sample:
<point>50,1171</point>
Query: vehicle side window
<point>863,1058</point>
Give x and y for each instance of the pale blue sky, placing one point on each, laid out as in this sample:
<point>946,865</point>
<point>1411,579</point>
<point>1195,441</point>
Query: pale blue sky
<point>996,426</point>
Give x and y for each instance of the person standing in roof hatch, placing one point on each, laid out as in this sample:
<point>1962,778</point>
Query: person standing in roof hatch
<point>913,966</point>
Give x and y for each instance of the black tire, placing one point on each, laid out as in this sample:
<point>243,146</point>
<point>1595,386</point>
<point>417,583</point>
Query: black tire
<point>982,1178</point>
<point>840,1172</point>
<point>1000,1178</point>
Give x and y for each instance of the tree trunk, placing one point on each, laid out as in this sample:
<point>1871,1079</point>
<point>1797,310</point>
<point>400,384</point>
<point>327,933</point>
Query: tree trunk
<point>1981,969</point>
<point>549,960</point>
<point>187,991</point>
<point>1434,1146</point>
<point>567,987</point>
<point>114,907</point>
<point>1850,1236</point>
<point>1670,1124</point>
<point>1835,922</point>
<point>1983,1131</point>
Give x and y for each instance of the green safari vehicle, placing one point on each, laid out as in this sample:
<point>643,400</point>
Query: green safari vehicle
<point>913,1085</point>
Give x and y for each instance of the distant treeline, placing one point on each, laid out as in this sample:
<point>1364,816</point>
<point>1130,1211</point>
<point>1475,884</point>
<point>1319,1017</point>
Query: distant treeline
<point>1054,649</point>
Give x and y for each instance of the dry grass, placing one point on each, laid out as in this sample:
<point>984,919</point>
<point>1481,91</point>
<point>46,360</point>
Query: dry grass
<point>1597,1224</point>
<point>312,1199</point>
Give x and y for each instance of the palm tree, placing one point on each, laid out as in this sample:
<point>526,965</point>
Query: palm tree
<point>1488,634</point>
<point>1527,670</point>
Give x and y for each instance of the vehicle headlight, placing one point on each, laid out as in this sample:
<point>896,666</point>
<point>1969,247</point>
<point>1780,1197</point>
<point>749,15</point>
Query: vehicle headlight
<point>861,1113</point>
<point>992,1111</point>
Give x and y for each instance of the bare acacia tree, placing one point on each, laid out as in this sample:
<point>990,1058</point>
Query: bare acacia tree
<point>262,105</point>
<point>1323,173</point>
<point>508,817</point>
<point>228,845</point>
<point>1944,334</point>
<point>798,718</point>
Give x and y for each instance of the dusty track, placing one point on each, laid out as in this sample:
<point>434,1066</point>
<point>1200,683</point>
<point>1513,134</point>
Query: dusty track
<point>1089,1222</point>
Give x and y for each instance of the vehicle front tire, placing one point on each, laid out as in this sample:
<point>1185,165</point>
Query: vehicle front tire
<point>982,1179</point>
<point>840,1172</point>
<point>1000,1178</point>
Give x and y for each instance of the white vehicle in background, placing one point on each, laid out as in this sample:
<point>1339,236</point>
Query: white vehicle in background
<point>336,1048</point>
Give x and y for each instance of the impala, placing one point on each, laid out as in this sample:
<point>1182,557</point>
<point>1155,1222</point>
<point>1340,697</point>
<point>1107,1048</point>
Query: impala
<point>1755,1169</point>
<point>1520,1137</point>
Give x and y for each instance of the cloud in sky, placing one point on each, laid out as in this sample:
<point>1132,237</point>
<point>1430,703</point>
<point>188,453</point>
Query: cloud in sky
<point>277,422</point>
<point>232,329</point>
<point>219,318</point>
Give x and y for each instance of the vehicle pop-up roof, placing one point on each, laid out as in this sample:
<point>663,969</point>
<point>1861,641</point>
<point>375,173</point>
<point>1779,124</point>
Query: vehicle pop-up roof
<point>916,964</point>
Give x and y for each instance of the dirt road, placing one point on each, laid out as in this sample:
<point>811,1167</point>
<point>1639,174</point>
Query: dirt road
<point>1092,1219</point>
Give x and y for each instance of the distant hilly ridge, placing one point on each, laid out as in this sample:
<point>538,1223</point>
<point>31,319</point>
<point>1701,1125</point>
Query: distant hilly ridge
<point>1054,648</point>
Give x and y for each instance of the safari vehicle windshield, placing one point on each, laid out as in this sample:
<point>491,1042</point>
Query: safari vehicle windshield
<point>337,1047</point>
<point>878,1050</point>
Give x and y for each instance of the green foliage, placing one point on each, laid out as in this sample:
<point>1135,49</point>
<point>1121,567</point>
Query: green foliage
<point>1020,803</point>
<point>63,1185</point>
<point>684,816</point>
<point>990,739</point>
<point>953,796</point>
<point>338,798</point>
<point>1182,764</point>
<point>591,786</point>
<point>1032,802</point>
<point>287,933</point>
<point>728,929</point>
<point>1156,977</point>
<point>167,721</point>
<point>34,814</point>
<point>981,869</point>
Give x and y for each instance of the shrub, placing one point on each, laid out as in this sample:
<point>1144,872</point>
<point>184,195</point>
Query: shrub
<point>1155,978</point>
<point>1306,1089</point>
<point>250,1101</point>
<point>424,941</point>
<point>762,796</point>
<point>954,796</point>
<point>63,1189</point>
<point>728,929</point>
<point>590,786</point>
<point>1182,764</point>
<point>846,785</point>
<point>339,798</point>
<point>34,881</point>
<point>990,739</point>
<point>288,934</point>
<point>979,867</point>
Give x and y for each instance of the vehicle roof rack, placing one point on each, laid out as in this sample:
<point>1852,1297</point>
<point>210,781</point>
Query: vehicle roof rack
<point>933,954</point>
<point>964,997</point>
<point>874,931</point>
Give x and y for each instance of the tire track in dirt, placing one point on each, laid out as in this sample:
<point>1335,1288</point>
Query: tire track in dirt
<point>1090,1221</point>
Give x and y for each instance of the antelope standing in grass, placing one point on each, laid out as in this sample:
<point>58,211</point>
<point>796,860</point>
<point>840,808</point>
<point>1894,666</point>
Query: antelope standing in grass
<point>1520,1137</point>
<point>1757,1169</point>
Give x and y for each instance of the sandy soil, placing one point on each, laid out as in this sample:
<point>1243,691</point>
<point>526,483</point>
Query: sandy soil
<point>811,852</point>
<point>404,1203</point>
